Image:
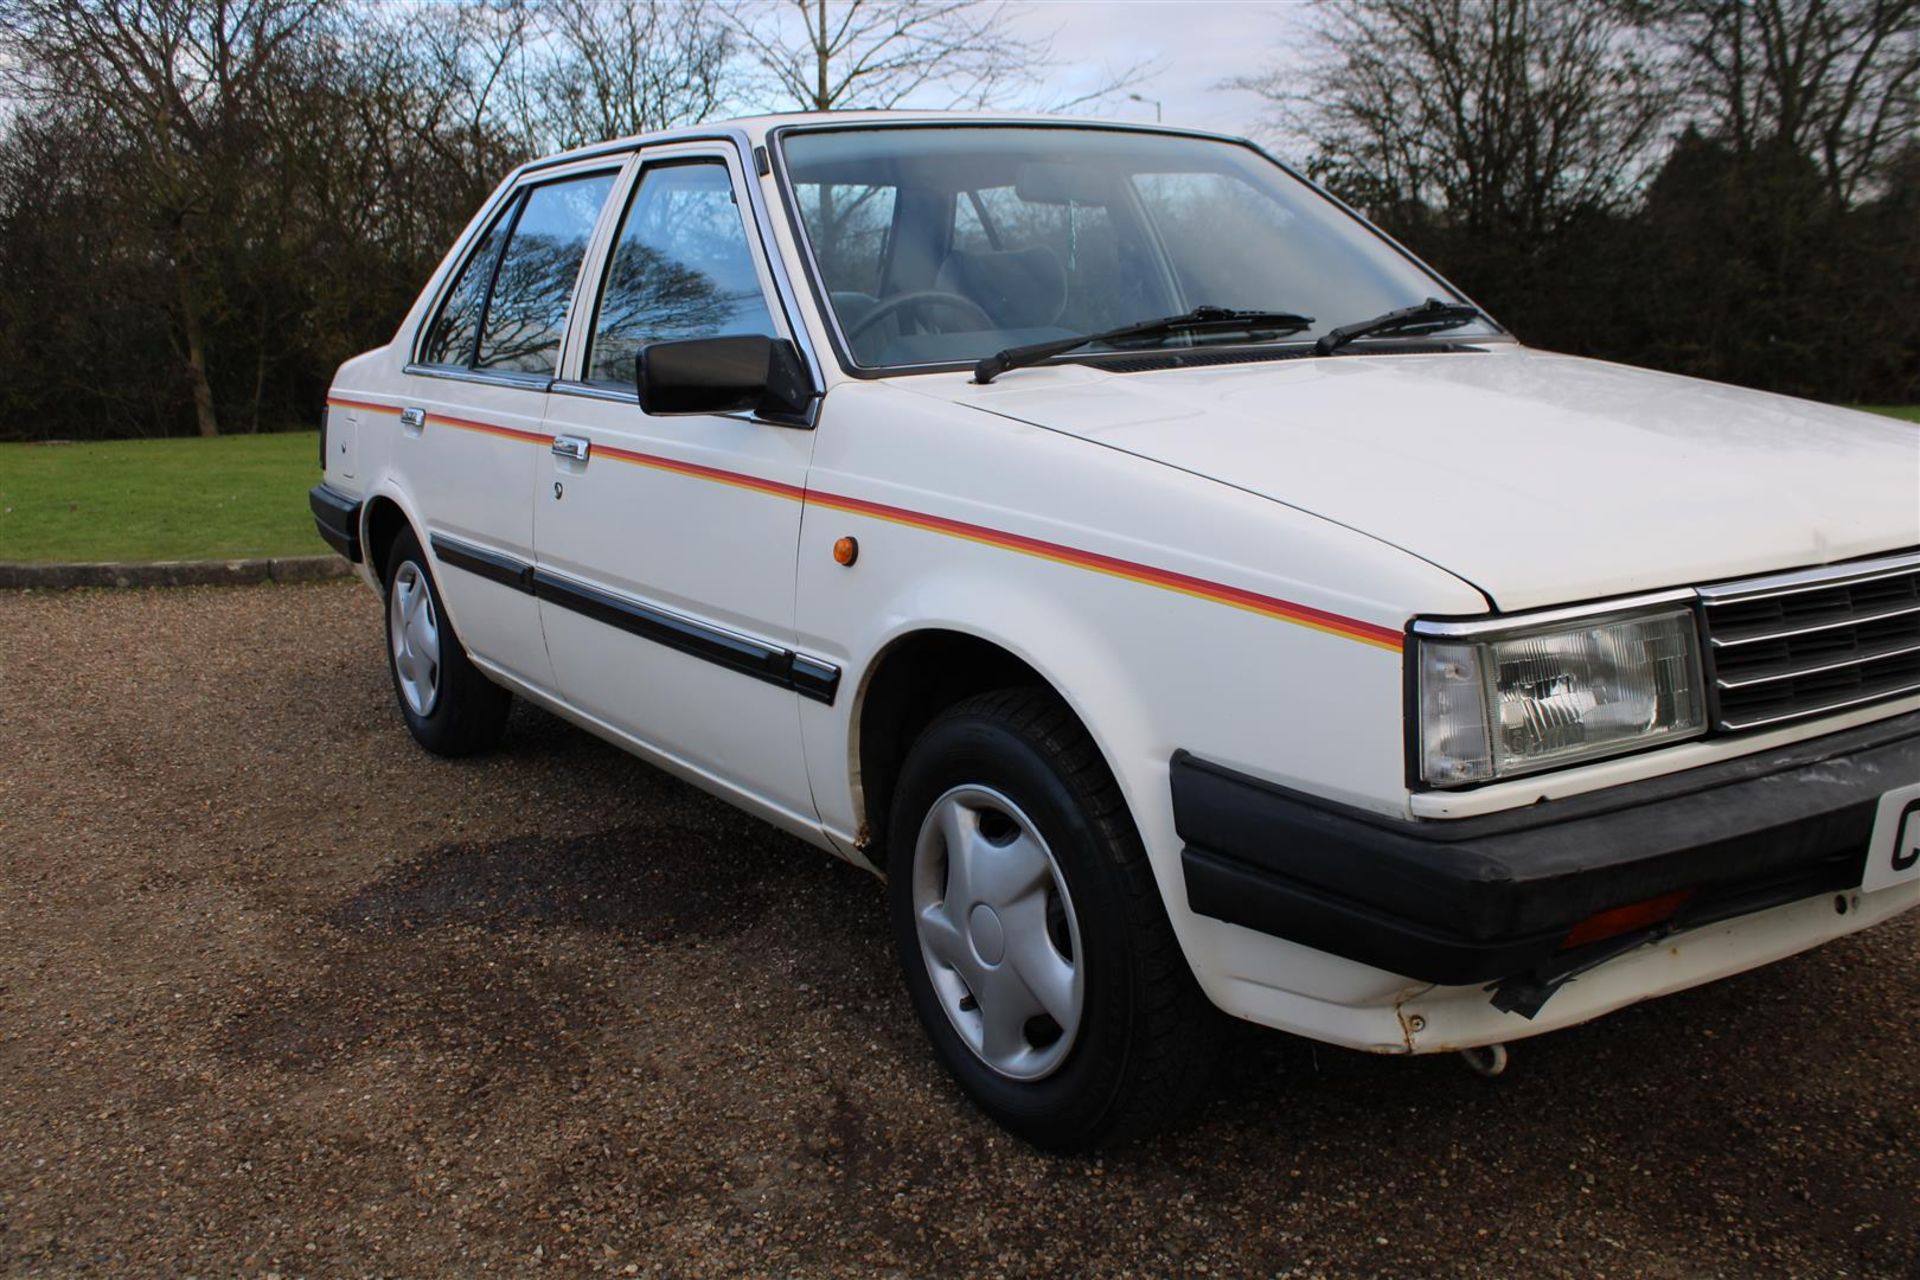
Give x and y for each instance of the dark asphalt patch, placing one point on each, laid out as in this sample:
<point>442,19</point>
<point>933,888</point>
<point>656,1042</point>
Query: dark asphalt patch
<point>634,883</point>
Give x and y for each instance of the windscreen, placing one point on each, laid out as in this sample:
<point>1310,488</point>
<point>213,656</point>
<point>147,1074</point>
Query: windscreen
<point>944,244</point>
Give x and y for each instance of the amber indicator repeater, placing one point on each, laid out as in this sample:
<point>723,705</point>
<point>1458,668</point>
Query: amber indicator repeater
<point>846,551</point>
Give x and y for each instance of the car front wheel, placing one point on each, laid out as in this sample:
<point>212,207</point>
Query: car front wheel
<point>1035,947</point>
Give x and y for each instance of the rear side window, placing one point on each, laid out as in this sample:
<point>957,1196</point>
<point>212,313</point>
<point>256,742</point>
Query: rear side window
<point>528,313</point>
<point>508,309</point>
<point>681,268</point>
<point>451,339</point>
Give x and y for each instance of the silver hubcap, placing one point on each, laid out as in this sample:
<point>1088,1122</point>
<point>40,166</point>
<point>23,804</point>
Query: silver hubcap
<point>415,634</point>
<point>997,932</point>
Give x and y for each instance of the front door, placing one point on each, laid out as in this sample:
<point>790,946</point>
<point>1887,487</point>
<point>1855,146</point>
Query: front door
<point>665,546</point>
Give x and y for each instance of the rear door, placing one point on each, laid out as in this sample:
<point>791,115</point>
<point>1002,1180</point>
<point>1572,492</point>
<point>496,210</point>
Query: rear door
<point>666,545</point>
<point>474,397</point>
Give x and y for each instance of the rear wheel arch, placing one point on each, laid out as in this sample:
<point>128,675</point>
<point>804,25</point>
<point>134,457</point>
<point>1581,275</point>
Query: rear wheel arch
<point>382,522</point>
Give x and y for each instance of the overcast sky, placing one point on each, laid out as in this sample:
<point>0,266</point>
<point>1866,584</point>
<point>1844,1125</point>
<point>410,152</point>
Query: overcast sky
<point>1195,44</point>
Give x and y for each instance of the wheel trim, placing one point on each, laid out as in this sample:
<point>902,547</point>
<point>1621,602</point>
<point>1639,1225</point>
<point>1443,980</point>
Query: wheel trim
<point>413,629</point>
<point>998,933</point>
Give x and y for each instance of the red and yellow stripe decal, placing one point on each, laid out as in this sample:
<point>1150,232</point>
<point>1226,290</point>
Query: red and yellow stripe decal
<point>491,429</point>
<point>737,479</point>
<point>1094,562</point>
<point>1113,566</point>
<point>340,402</point>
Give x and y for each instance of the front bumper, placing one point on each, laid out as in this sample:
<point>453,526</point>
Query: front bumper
<point>1493,899</point>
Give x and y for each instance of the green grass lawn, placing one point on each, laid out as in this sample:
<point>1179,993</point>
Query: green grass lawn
<point>159,499</point>
<point>1911,412</point>
<point>189,499</point>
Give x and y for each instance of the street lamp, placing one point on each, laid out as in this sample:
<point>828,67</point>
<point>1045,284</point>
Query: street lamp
<point>1152,102</point>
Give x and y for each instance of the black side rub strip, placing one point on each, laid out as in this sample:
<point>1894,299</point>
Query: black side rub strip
<point>486,564</point>
<point>337,517</point>
<point>806,676</point>
<point>737,653</point>
<point>1492,899</point>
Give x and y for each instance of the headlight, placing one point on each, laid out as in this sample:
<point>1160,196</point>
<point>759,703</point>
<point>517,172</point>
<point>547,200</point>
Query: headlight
<point>1496,703</point>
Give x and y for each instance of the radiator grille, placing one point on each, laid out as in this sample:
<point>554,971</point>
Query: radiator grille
<point>1784,649</point>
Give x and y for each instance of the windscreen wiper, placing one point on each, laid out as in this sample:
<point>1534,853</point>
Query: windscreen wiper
<point>1428,317</point>
<point>1198,320</point>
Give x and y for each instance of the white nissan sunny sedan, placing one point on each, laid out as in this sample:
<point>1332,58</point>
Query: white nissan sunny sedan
<point>1186,599</point>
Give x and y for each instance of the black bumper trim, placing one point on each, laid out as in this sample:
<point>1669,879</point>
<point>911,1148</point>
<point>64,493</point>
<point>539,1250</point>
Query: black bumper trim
<point>1472,900</point>
<point>337,517</point>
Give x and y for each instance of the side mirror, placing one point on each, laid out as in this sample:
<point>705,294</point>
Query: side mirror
<point>748,372</point>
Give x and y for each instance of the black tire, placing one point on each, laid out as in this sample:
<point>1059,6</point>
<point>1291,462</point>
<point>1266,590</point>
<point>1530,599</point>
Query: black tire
<point>468,712</point>
<point>1147,1036</point>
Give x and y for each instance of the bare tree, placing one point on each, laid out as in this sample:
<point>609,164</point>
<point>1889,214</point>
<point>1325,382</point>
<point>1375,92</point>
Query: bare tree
<point>608,68</point>
<point>1506,116</point>
<point>836,55</point>
<point>181,82</point>
<point>1835,80</point>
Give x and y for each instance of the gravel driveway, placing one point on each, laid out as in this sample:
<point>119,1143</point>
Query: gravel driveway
<point>281,994</point>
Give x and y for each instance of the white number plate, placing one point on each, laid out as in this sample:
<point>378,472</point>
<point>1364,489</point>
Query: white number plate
<point>1893,855</point>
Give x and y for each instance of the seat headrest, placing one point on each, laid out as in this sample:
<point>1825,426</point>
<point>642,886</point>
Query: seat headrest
<point>1019,288</point>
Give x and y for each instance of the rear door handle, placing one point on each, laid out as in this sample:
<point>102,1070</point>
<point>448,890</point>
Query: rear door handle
<point>414,420</point>
<point>575,447</point>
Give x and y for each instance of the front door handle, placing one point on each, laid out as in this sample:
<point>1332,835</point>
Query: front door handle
<point>575,447</point>
<point>414,420</point>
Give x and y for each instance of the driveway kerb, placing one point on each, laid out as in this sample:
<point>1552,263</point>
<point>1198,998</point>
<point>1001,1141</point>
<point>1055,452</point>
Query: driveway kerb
<point>172,573</point>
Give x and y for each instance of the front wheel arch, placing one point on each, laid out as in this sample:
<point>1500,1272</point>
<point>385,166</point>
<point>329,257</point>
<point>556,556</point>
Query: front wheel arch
<point>906,687</point>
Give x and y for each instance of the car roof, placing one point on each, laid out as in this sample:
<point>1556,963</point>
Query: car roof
<point>754,129</point>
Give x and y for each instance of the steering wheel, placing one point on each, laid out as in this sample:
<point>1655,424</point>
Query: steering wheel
<point>914,301</point>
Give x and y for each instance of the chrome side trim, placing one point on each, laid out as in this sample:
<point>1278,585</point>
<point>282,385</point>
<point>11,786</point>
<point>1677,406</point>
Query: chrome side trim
<point>494,378</point>
<point>594,391</point>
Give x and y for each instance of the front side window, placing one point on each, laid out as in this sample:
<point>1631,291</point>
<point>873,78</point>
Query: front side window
<point>681,268</point>
<point>998,236</point>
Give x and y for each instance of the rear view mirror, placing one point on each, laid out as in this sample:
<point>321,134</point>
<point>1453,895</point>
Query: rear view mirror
<point>741,373</point>
<point>1048,182</point>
